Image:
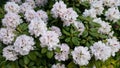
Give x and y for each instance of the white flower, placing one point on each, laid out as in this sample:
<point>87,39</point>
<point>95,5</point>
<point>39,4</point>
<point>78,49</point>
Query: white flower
<point>31,3</point>
<point>30,14</point>
<point>49,39</point>
<point>58,9</point>
<point>111,34</point>
<point>81,55</point>
<point>41,2</point>
<point>7,35</point>
<point>16,1</point>
<point>105,27</point>
<point>91,12</point>
<point>98,6</point>
<point>12,7</point>
<point>63,55</point>
<point>114,44</point>
<point>23,44</point>
<point>112,14</point>
<point>80,26</point>
<point>24,7</point>
<point>11,20</point>
<point>68,22</point>
<point>58,65</point>
<point>100,51</point>
<point>37,27</point>
<point>69,15</point>
<point>57,30</point>
<point>111,3</point>
<point>9,53</point>
<point>43,15</point>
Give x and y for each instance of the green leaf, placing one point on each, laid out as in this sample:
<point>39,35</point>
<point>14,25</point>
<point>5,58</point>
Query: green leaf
<point>58,50</point>
<point>94,34</point>
<point>32,56</point>
<point>67,39</point>
<point>26,60</point>
<point>75,41</point>
<point>94,24</point>
<point>23,27</point>
<point>94,30</point>
<point>102,36</point>
<point>83,41</point>
<point>11,65</point>
<point>21,62</point>
<point>49,54</point>
<point>71,30</point>
<point>62,37</point>
<point>44,50</point>
<point>1,16</point>
<point>71,65</point>
<point>85,34</point>
<point>2,64</point>
<point>87,44</point>
<point>65,32</point>
<point>31,64</point>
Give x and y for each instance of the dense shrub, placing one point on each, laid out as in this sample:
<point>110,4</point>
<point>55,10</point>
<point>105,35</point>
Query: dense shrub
<point>59,33</point>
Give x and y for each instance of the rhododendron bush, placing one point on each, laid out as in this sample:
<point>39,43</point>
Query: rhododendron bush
<point>59,33</point>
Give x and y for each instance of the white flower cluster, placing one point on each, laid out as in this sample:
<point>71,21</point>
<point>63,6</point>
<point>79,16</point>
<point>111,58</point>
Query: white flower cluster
<point>90,12</point>
<point>23,44</point>
<point>12,7</point>
<point>67,15</point>
<point>114,44</point>
<point>30,14</point>
<point>58,9</point>
<point>43,15</point>
<point>112,14</point>
<point>63,54</point>
<point>37,27</point>
<point>58,65</point>
<point>57,30</point>
<point>7,35</point>
<point>41,2</point>
<point>105,27</point>
<point>108,3</point>
<point>16,1</point>
<point>49,39</point>
<point>111,3</point>
<point>97,8</point>
<point>81,55</point>
<point>102,51</point>
<point>24,7</point>
<point>9,53</point>
<point>32,3</point>
<point>11,20</point>
<point>80,27</point>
